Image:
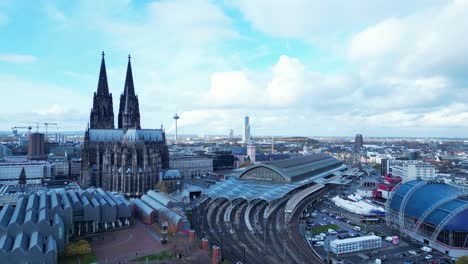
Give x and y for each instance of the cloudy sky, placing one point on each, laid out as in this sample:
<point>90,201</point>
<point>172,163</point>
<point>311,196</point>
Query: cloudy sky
<point>296,67</point>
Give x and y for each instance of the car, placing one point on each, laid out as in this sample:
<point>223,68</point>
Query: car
<point>428,257</point>
<point>412,252</point>
<point>427,249</point>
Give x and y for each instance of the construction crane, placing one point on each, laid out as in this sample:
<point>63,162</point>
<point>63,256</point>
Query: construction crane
<point>47,128</point>
<point>23,127</point>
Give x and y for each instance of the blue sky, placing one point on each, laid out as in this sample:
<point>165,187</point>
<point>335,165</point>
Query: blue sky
<point>297,67</point>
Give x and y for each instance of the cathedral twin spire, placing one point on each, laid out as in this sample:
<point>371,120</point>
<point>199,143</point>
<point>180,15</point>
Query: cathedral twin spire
<point>102,113</point>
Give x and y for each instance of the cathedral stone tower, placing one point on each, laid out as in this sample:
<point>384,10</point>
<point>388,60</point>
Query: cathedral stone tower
<point>102,113</point>
<point>129,99</point>
<point>128,159</point>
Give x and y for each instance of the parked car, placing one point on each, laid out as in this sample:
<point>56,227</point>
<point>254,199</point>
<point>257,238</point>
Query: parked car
<point>427,249</point>
<point>428,257</point>
<point>412,252</point>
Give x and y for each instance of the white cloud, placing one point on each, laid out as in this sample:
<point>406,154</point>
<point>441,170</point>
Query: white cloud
<point>54,109</point>
<point>407,93</point>
<point>426,43</point>
<point>307,18</point>
<point>288,84</point>
<point>38,101</point>
<point>17,58</point>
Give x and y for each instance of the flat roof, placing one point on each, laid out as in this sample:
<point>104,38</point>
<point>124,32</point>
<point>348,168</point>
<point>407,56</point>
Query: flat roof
<point>354,239</point>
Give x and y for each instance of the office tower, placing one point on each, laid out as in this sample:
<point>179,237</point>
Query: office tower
<point>246,134</point>
<point>358,142</point>
<point>36,147</point>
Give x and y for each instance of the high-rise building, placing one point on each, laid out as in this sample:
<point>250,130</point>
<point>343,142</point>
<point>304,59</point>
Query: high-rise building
<point>75,168</point>
<point>231,134</point>
<point>358,142</point>
<point>36,147</point>
<point>246,134</point>
<point>383,166</point>
<point>127,159</point>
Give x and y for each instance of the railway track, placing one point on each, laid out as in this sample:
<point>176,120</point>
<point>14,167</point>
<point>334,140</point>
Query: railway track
<point>279,242</point>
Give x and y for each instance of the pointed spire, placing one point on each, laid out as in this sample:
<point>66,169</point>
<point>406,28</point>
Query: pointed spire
<point>126,113</point>
<point>103,87</point>
<point>126,103</point>
<point>129,79</point>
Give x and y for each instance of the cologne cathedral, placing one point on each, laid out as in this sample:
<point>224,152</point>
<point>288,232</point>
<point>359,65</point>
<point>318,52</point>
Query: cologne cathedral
<point>126,159</point>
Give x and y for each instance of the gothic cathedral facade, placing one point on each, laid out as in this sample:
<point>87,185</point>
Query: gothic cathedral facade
<point>126,159</point>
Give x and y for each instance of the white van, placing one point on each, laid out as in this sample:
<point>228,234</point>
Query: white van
<point>331,231</point>
<point>357,228</point>
<point>427,249</point>
<point>319,243</point>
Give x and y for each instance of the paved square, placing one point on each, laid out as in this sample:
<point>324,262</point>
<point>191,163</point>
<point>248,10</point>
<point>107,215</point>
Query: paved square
<point>124,245</point>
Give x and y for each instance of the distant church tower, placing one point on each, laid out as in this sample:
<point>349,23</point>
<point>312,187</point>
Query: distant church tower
<point>129,102</point>
<point>102,113</point>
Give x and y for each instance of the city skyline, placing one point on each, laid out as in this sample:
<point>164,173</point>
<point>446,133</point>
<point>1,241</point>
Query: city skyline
<point>397,70</point>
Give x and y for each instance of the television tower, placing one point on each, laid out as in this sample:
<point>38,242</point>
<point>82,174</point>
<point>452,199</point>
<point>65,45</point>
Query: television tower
<point>176,117</point>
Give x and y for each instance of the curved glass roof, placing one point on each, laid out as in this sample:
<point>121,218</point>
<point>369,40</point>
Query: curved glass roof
<point>426,196</point>
<point>249,190</point>
<point>299,168</point>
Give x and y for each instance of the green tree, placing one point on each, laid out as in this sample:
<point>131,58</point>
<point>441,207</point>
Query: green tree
<point>462,260</point>
<point>22,177</point>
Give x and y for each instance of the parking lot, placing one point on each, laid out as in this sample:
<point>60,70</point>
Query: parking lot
<point>349,225</point>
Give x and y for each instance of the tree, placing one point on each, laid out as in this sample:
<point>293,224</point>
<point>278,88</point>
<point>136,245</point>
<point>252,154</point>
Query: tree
<point>462,260</point>
<point>22,177</point>
<point>80,247</point>
<point>246,163</point>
